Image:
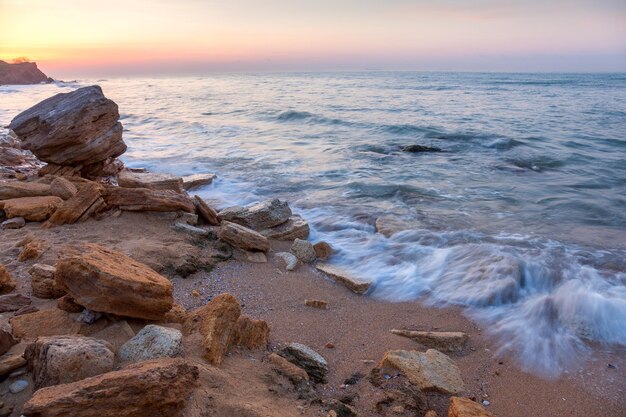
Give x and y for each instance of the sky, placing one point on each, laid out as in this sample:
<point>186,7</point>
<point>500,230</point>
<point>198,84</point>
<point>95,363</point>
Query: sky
<point>141,37</point>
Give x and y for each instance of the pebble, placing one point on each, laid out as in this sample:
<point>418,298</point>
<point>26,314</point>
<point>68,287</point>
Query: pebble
<point>485,402</point>
<point>195,293</point>
<point>18,386</point>
<point>329,345</point>
<point>17,373</point>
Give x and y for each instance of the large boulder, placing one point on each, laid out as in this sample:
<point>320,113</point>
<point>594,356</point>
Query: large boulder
<point>152,342</point>
<point>74,128</point>
<point>260,216</point>
<point>62,359</point>
<point>104,280</point>
<point>156,388</point>
<point>34,209</point>
<point>243,238</point>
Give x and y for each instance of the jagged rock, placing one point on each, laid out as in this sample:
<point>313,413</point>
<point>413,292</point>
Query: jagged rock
<point>250,333</point>
<point>89,316</point>
<point>13,302</point>
<point>10,157</point>
<point>84,203</point>
<point>294,228</point>
<point>9,363</point>
<point>153,181</point>
<point>259,216</point>
<point>74,128</point>
<point>33,250</point>
<point>7,283</point>
<point>107,168</point>
<point>20,189</point>
<point>322,305</point>
<point>242,237</point>
<point>62,187</point>
<point>42,282</point>
<point>205,211</point>
<point>14,223</point>
<point>197,180</point>
<point>290,260</point>
<point>303,250</point>
<point>464,407</point>
<point>67,303</point>
<point>357,285</point>
<point>145,199</point>
<point>429,371</point>
<point>6,338</point>
<point>442,341</point>
<point>60,171</point>
<point>22,73</point>
<point>156,388</point>
<point>63,359</point>
<point>291,371</point>
<point>104,280</point>
<point>323,250</point>
<point>308,359</point>
<point>152,342</point>
<point>34,209</point>
<point>216,322</point>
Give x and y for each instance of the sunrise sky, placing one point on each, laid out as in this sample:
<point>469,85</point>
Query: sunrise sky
<point>126,37</point>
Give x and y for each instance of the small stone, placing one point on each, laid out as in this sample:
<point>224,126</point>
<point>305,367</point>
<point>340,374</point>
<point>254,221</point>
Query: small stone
<point>303,250</point>
<point>243,237</point>
<point>14,223</point>
<point>486,402</point>
<point>17,374</point>
<point>256,257</point>
<point>291,371</point>
<point>323,250</point>
<point>398,409</point>
<point>7,283</point>
<point>192,230</point>
<point>291,262</point>
<point>195,293</point>
<point>89,316</point>
<point>308,359</point>
<point>357,285</point>
<point>152,342</point>
<point>323,305</point>
<point>329,345</point>
<point>42,281</point>
<point>18,386</point>
<point>33,250</point>
<point>431,413</point>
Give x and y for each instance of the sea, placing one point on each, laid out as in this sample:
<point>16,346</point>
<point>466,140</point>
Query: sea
<point>519,218</point>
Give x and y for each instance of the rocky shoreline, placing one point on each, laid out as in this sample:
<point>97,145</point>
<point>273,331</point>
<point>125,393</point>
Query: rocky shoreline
<point>105,308</point>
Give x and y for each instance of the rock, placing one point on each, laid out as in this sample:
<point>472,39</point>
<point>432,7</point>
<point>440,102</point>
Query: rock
<point>250,333</point>
<point>12,302</point>
<point>50,322</point>
<point>323,250</point>
<point>429,371</point>
<point>60,170</point>
<point>442,341</point>
<point>294,228</point>
<point>67,303</point>
<point>304,251</point>
<point>308,359</point>
<point>84,204</point>
<point>322,305</point>
<point>357,285</point>
<point>390,225</point>
<point>197,180</point>
<point>192,230</point>
<point>104,280</point>
<point>22,73</point>
<point>6,338</point>
<point>116,334</point>
<point>25,310</point>
<point>188,218</point>
<point>62,187</point>
<point>177,314</point>
<point>216,322</point>
<point>9,363</point>
<point>63,359</point>
<point>14,223</point>
<point>18,386</point>
<point>290,260</point>
<point>154,181</point>
<point>89,316</point>
<point>431,413</point>
<point>10,157</point>
<point>145,199</point>
<point>256,257</point>
<point>42,282</point>
<point>20,189</point>
<point>156,388</point>
<point>107,168</point>
<point>342,409</point>
<point>259,216</point>
<point>464,407</point>
<point>152,342</point>
<point>34,209</point>
<point>291,371</point>
<point>7,283</point>
<point>420,149</point>
<point>205,211</point>
<point>74,128</point>
<point>242,237</point>
<point>33,250</point>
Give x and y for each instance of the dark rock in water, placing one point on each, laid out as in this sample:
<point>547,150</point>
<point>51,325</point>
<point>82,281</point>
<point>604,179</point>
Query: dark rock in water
<point>420,149</point>
<point>22,73</point>
<point>77,128</point>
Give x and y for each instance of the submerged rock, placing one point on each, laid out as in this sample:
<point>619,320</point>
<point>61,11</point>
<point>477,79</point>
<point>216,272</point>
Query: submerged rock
<point>420,148</point>
<point>390,225</point>
<point>357,285</point>
<point>259,216</point>
<point>308,359</point>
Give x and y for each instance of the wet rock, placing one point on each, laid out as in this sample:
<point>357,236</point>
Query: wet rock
<point>145,199</point>
<point>291,371</point>
<point>191,230</point>
<point>20,189</point>
<point>242,237</point>
<point>154,181</point>
<point>153,388</point>
<point>290,260</point>
<point>14,223</point>
<point>42,282</point>
<point>87,202</point>
<point>303,250</point>
<point>429,371</point>
<point>33,209</point>
<point>74,128</point>
<point>323,250</point>
<point>308,359</point>
<point>357,285</point>
<point>67,303</point>
<point>104,280</point>
<point>7,283</point>
<point>18,386</point>
<point>464,407</point>
<point>62,187</point>
<point>442,341</point>
<point>322,305</point>
<point>191,182</point>
<point>6,338</point>
<point>250,333</point>
<point>13,302</point>
<point>420,149</point>
<point>63,359</point>
<point>152,342</point>
<point>205,211</point>
<point>33,250</point>
<point>259,216</point>
<point>294,228</point>
<point>9,363</point>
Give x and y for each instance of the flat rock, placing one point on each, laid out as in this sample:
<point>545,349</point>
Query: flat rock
<point>243,237</point>
<point>357,285</point>
<point>152,180</point>
<point>205,211</point>
<point>34,209</point>
<point>13,302</point>
<point>156,388</point>
<point>294,228</point>
<point>152,342</point>
<point>290,260</point>
<point>50,322</point>
<point>259,216</point>
<point>306,358</point>
<point>250,333</point>
<point>74,128</point>
<point>303,250</point>
<point>291,371</point>
<point>14,223</point>
<point>104,280</point>
<point>7,283</point>
<point>197,180</point>
<point>19,189</point>
<point>442,341</point>
<point>145,199</point>
<point>42,281</point>
<point>63,359</point>
<point>464,407</point>
<point>321,304</point>
<point>429,371</point>
<point>18,386</point>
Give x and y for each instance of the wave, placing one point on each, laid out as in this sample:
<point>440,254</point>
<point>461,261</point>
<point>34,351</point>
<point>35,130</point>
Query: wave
<point>295,116</point>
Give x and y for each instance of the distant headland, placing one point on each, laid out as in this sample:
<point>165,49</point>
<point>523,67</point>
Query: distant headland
<point>22,73</point>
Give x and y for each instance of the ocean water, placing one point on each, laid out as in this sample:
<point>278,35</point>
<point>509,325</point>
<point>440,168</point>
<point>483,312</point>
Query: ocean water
<point>521,219</point>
